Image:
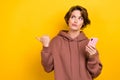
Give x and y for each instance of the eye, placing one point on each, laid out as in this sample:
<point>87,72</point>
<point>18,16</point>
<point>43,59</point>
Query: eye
<point>80,18</point>
<point>72,16</point>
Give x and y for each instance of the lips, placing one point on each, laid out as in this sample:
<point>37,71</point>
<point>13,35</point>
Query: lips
<point>74,24</point>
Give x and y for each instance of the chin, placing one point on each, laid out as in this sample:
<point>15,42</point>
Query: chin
<point>75,29</point>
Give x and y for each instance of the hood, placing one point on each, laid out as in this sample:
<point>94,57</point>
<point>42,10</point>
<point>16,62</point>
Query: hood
<point>80,37</point>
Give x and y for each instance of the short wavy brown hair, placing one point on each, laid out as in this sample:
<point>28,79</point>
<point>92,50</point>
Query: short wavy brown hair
<point>84,14</point>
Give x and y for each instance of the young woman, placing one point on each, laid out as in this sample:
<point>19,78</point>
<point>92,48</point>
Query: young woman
<point>68,53</point>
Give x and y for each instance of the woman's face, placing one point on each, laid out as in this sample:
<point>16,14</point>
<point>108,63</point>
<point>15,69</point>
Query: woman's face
<point>75,21</point>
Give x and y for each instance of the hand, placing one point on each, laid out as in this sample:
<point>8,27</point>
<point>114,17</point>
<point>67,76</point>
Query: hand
<point>45,40</point>
<point>90,49</point>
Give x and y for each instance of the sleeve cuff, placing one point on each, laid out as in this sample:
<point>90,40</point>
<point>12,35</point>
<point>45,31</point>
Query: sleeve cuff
<point>92,57</point>
<point>45,49</point>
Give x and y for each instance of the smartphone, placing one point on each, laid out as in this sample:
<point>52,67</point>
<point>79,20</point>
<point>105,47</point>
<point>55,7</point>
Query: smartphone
<point>93,41</point>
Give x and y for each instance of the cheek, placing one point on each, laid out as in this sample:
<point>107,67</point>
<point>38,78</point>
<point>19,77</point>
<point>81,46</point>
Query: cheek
<point>69,22</point>
<point>81,23</point>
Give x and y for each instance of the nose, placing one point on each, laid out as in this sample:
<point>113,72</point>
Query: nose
<point>76,20</point>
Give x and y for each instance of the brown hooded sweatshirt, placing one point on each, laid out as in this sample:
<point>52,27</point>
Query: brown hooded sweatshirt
<point>69,59</point>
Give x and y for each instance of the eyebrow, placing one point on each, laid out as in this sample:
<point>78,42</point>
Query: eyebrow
<point>74,15</point>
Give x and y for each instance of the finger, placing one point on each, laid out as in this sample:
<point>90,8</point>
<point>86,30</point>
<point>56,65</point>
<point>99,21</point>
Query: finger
<point>91,51</point>
<point>87,49</point>
<point>91,47</point>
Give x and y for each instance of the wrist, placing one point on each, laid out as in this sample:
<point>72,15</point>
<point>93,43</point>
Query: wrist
<point>46,45</point>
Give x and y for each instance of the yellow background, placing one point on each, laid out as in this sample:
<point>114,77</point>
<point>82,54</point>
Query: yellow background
<point>22,20</point>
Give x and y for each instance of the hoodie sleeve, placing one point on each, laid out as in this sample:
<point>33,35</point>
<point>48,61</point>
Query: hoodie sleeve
<point>47,59</point>
<point>94,65</point>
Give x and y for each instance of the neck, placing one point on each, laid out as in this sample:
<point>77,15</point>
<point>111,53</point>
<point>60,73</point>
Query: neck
<point>73,34</point>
